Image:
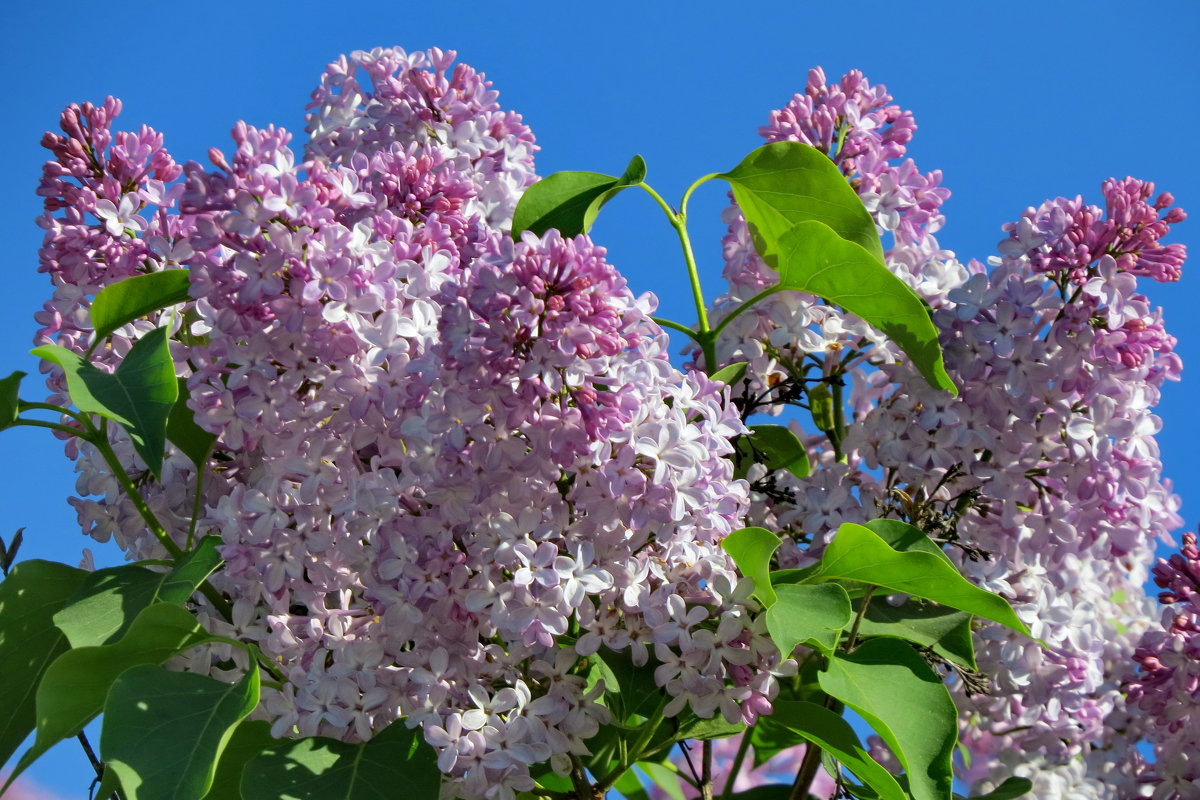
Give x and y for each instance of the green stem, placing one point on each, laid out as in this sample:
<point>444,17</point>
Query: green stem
<point>839,420</point>
<point>54,426</point>
<point>746,306</point>
<point>100,440</point>
<point>678,220</point>
<point>673,325</point>
<point>636,751</point>
<point>197,503</point>
<point>24,405</point>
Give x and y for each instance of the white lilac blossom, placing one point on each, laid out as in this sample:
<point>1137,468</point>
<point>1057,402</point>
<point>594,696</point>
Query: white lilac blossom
<point>439,451</point>
<point>1044,470</point>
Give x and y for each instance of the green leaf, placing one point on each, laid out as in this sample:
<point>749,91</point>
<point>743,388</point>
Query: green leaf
<point>164,732</point>
<point>783,183</point>
<point>10,403</point>
<point>751,549</point>
<point>1010,789</point>
<point>630,786</point>
<point>29,641</point>
<point>780,449</point>
<point>813,258</point>
<point>109,599</point>
<point>134,298</point>
<point>397,760</point>
<point>915,715</point>
<point>858,554</point>
<point>732,374</point>
<point>833,734</point>
<point>192,440</point>
<point>630,689</point>
<point>903,537</point>
<point>570,201</point>
<point>139,396</point>
<point>249,739</point>
<point>809,613</point>
<point>663,777</point>
<point>74,687</point>
<point>943,630</point>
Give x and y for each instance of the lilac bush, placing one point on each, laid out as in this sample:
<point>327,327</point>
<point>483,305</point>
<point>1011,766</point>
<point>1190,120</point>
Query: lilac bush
<point>458,486</point>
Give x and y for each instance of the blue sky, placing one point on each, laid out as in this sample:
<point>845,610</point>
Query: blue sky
<point>1016,102</point>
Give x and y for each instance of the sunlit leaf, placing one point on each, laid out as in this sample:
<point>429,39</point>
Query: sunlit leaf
<point>858,554</point>
<point>780,184</point>
<point>751,549</point>
<point>570,201</point>
<point>138,396</point>
<point>133,298</point>
<point>915,716</point>
<point>810,613</point>
<point>945,631</point>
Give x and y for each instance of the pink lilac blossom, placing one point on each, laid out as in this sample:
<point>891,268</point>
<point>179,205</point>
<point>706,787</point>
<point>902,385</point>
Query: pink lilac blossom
<point>439,451</point>
<point>1044,468</point>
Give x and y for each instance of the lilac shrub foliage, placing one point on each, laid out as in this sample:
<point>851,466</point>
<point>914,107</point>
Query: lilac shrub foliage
<point>443,452</point>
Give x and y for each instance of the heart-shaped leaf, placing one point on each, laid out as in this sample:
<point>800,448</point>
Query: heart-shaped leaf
<point>783,183</point>
<point>570,201</point>
<point>779,448</point>
<point>808,613</point>
<point>858,554</point>
<point>10,403</point>
<point>833,734</point>
<point>133,298</point>
<point>195,442</point>
<point>164,732</point>
<point>75,685</point>
<point>751,549</point>
<point>29,641</point>
<point>915,716</point>
<point>138,396</point>
<point>317,768</point>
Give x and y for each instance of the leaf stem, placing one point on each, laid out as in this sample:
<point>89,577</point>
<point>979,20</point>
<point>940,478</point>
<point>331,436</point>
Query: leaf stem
<point>663,322</point>
<point>54,426</point>
<point>678,220</point>
<point>25,405</point>
<point>636,751</point>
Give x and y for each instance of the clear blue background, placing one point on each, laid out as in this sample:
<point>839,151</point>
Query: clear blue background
<point>1015,102</point>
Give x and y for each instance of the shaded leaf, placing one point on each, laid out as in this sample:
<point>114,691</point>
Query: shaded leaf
<point>10,403</point>
<point>570,201</point>
<point>249,739</point>
<point>108,599</point>
<point>858,554</point>
<point>133,298</point>
<point>192,440</point>
<point>138,396</point>
<point>834,735</point>
<point>29,641</point>
<point>74,686</point>
<point>780,184</point>
<point>770,791</point>
<point>751,549</point>
<point>1011,788</point>
<point>164,732</point>
<point>915,716</point>
<point>808,613</point>
<point>780,449</point>
<point>943,630</point>
<point>317,768</point>
<point>813,258</point>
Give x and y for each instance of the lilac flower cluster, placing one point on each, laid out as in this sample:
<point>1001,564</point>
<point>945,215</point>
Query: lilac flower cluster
<point>450,467</point>
<point>1167,685</point>
<point>1044,471</point>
